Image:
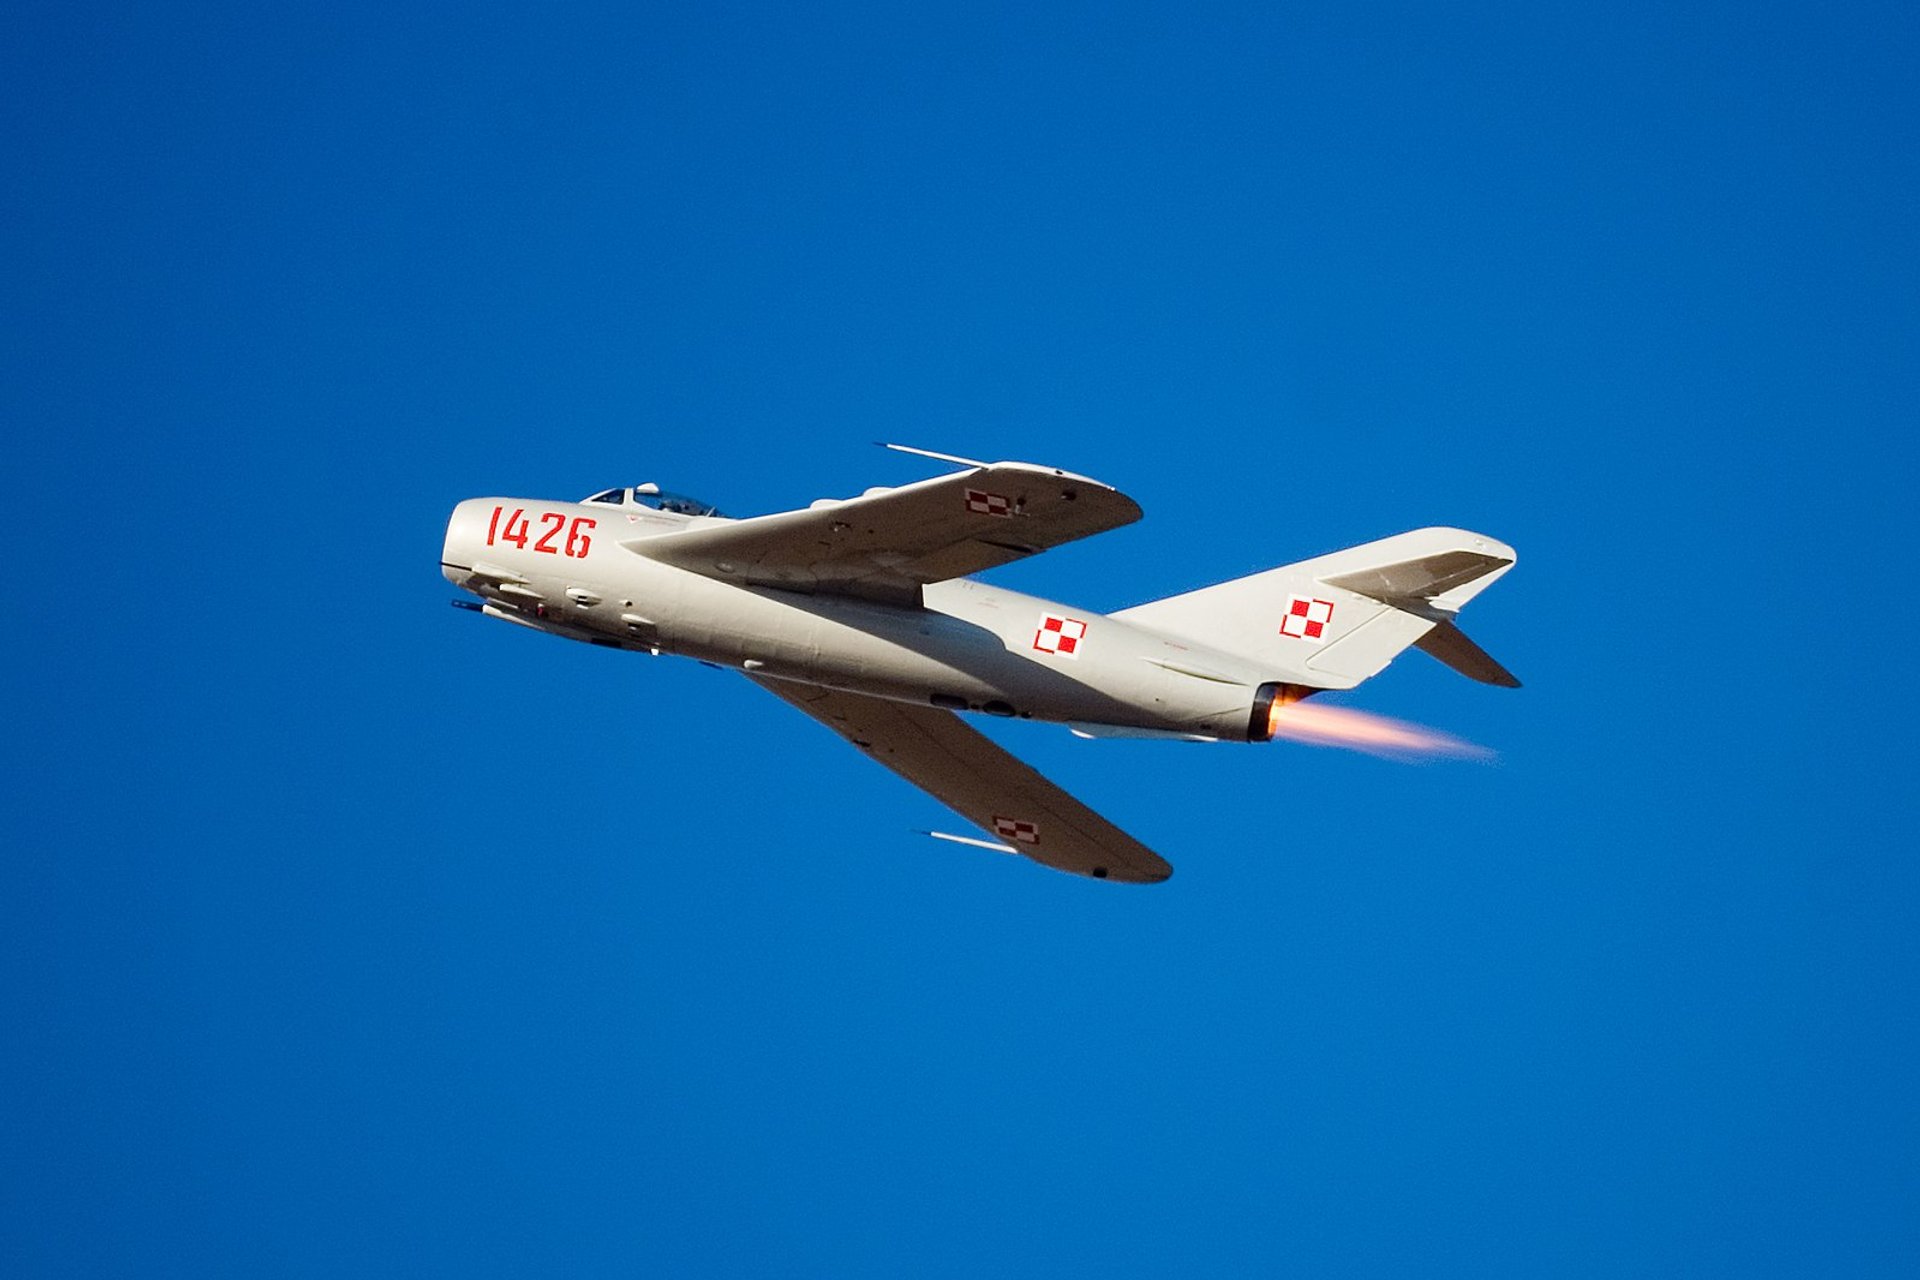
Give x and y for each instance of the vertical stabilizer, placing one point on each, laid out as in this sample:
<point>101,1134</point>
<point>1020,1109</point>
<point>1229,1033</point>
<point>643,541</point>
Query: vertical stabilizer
<point>1337,619</point>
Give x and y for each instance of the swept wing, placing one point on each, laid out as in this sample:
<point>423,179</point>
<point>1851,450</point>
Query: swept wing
<point>887,543</point>
<point>961,768</point>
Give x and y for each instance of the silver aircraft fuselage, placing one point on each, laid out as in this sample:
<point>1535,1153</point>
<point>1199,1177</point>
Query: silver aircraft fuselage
<point>969,646</point>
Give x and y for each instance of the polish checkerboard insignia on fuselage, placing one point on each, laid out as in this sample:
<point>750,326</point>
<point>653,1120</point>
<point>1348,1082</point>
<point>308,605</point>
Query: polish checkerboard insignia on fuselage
<point>1060,636</point>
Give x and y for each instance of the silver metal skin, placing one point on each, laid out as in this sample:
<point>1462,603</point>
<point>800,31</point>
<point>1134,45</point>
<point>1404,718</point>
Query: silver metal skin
<point>854,611</point>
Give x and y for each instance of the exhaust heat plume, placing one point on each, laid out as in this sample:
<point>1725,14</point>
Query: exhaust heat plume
<point>1318,724</point>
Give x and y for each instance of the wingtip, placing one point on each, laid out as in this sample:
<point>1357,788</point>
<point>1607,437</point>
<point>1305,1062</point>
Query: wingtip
<point>1158,875</point>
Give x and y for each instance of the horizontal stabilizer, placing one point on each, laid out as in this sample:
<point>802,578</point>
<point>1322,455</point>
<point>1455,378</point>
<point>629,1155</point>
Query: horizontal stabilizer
<point>1424,580</point>
<point>1450,645</point>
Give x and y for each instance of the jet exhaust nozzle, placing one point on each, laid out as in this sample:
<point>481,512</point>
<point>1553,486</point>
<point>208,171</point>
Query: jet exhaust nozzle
<point>1269,702</point>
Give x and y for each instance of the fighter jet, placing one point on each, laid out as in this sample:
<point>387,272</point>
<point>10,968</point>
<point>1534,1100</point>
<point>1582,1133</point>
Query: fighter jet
<point>862,613</point>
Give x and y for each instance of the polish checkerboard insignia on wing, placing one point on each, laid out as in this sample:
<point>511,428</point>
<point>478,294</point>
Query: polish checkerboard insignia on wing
<point>988,504</point>
<point>1016,829</point>
<point>1060,636</point>
<point>1307,619</point>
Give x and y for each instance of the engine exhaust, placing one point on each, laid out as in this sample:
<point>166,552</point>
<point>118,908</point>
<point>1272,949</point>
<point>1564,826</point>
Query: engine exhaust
<point>1268,702</point>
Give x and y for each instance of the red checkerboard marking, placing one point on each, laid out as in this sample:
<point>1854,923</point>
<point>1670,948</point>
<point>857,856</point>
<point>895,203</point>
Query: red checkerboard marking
<point>1061,636</point>
<point>1015,829</point>
<point>1307,619</point>
<point>988,504</point>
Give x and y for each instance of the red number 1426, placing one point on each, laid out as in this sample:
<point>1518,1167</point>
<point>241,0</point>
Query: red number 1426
<point>517,529</point>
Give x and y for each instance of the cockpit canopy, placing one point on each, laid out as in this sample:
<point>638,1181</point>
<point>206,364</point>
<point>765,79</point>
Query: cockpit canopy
<point>652,495</point>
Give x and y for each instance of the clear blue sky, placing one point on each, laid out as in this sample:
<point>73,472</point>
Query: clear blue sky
<point>343,933</point>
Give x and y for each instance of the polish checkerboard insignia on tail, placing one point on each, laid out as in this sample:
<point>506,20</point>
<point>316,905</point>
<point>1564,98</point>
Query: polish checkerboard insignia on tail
<point>1307,619</point>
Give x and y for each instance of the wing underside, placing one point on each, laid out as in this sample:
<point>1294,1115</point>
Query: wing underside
<point>887,543</point>
<point>937,752</point>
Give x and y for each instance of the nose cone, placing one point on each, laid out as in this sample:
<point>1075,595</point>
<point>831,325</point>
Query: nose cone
<point>466,532</point>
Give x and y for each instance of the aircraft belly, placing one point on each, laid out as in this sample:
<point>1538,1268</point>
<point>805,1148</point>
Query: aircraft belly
<point>975,648</point>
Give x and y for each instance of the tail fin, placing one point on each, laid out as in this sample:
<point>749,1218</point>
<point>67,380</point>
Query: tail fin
<point>1335,620</point>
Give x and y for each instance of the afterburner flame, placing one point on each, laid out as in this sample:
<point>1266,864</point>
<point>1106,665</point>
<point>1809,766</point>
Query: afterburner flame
<point>1321,725</point>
